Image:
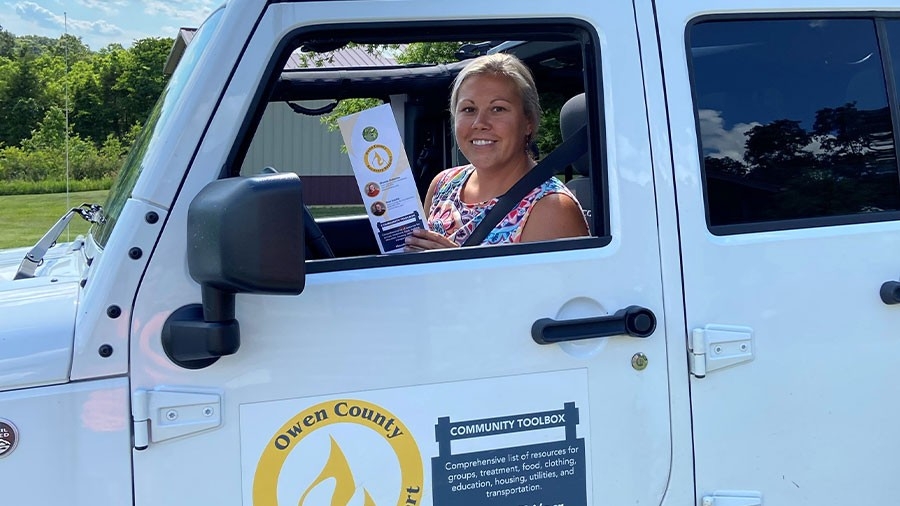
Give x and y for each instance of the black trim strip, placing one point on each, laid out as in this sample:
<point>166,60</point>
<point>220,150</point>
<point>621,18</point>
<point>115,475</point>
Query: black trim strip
<point>823,221</point>
<point>695,103</point>
<point>887,62</point>
<point>597,130</point>
<point>449,255</point>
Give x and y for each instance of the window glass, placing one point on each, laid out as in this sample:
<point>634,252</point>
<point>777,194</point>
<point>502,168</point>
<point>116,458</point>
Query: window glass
<point>157,122</point>
<point>794,121</point>
<point>297,136</point>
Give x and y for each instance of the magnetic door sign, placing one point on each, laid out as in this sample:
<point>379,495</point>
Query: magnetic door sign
<point>337,468</point>
<point>383,175</point>
<point>545,473</point>
<point>525,447</point>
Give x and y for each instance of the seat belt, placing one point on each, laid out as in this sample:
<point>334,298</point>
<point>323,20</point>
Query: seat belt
<point>566,153</point>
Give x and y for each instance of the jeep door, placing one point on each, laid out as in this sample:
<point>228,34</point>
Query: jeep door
<point>419,378</point>
<point>788,203</point>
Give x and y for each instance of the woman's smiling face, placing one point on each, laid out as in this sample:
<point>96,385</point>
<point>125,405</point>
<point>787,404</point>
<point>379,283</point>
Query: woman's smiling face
<point>491,125</point>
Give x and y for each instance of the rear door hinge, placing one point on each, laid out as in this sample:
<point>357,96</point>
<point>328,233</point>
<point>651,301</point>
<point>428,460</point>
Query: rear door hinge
<point>730,498</point>
<point>717,346</point>
<point>163,413</point>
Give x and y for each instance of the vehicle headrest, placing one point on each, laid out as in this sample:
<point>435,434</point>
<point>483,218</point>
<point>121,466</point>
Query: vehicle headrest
<point>573,116</point>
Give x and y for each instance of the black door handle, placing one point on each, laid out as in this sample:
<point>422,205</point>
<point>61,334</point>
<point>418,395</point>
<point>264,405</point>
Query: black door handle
<point>890,292</point>
<point>634,321</point>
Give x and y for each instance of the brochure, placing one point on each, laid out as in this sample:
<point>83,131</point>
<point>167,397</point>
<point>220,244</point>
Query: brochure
<point>383,176</point>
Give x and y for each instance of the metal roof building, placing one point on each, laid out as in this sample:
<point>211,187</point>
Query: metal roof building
<point>288,141</point>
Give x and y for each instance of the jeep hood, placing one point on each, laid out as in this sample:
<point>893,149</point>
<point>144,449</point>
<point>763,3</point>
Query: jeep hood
<point>37,317</point>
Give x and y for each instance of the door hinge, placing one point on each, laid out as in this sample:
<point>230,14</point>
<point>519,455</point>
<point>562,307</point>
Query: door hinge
<point>162,414</point>
<point>729,498</point>
<point>718,346</point>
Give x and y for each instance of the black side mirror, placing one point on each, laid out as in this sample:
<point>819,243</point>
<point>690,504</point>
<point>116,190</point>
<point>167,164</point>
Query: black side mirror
<point>245,235</point>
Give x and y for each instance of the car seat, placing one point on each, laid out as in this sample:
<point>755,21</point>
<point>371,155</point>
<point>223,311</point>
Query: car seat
<point>573,116</point>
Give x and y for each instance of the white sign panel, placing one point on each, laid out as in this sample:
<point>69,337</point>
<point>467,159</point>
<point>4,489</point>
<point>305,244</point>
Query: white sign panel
<point>383,175</point>
<point>495,442</point>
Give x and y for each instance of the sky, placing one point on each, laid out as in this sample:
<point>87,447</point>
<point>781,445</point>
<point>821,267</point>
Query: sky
<point>103,22</point>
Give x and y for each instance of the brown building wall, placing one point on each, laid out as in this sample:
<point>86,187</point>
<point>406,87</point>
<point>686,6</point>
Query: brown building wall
<point>330,190</point>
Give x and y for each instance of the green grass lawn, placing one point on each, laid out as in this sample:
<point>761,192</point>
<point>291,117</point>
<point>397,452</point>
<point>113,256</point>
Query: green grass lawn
<point>336,211</point>
<point>25,218</point>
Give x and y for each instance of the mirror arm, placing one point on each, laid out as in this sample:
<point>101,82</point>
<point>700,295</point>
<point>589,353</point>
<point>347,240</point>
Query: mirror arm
<point>218,305</point>
<point>197,335</point>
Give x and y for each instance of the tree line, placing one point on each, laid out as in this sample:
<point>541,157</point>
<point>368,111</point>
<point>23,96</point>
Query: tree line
<point>107,94</point>
<point>844,164</point>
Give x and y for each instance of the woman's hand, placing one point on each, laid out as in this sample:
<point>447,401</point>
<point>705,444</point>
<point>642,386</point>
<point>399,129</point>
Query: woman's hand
<point>422,240</point>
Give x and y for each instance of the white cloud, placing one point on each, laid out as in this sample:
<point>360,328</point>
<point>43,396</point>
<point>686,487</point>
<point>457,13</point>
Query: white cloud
<point>102,27</point>
<point>815,145</point>
<point>719,142</point>
<point>189,12</point>
<point>105,6</point>
<point>33,12</point>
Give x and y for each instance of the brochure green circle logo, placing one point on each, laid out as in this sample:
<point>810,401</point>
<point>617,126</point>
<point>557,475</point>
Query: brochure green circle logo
<point>370,133</point>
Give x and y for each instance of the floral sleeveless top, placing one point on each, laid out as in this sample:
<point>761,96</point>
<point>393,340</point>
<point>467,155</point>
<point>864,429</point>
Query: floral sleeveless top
<point>456,220</point>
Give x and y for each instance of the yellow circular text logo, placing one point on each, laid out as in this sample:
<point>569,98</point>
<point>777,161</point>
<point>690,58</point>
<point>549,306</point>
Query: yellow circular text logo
<point>353,411</point>
<point>378,158</point>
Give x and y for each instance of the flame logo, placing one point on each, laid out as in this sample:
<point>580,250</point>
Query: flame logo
<point>378,158</point>
<point>338,468</point>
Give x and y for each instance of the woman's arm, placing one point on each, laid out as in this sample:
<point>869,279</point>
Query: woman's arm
<point>423,239</point>
<point>554,216</point>
<point>429,195</point>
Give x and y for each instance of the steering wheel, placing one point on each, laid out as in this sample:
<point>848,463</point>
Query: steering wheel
<point>317,246</point>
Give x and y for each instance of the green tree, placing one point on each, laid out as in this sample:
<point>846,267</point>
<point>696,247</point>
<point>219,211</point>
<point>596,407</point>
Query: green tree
<point>108,94</point>
<point>346,107</point>
<point>21,102</point>
<point>429,52</point>
<point>142,78</point>
<point>51,132</point>
<point>34,45</point>
<point>71,47</point>
<point>88,108</point>
<point>109,65</point>
<point>7,43</point>
<point>549,135</point>
<point>51,73</point>
<point>49,153</point>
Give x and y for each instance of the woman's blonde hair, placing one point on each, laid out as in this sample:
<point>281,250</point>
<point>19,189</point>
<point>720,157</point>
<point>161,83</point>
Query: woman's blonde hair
<point>505,65</point>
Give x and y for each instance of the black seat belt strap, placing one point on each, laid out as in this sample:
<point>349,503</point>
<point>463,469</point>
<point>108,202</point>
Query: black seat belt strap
<point>566,153</point>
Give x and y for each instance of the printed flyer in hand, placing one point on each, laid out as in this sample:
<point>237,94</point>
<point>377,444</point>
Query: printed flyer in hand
<point>383,176</point>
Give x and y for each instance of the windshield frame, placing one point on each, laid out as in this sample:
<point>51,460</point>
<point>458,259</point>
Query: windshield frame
<point>157,122</point>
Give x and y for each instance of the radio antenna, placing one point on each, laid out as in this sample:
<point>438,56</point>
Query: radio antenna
<point>66,42</point>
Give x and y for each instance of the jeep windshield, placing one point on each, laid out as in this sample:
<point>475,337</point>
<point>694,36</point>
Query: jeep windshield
<point>158,121</point>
